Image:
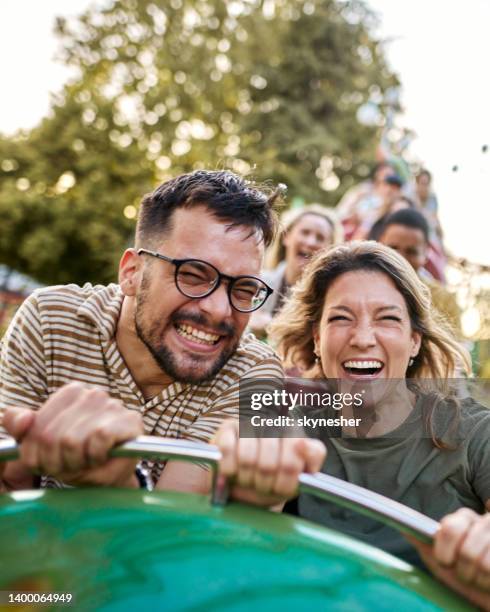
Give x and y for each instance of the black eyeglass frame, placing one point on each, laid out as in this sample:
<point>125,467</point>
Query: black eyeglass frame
<point>231,279</point>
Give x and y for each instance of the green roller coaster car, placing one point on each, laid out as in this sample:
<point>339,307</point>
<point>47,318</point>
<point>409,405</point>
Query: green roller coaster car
<point>114,549</point>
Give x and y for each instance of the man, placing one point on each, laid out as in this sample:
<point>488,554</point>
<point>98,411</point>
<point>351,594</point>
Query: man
<point>407,231</point>
<point>85,368</point>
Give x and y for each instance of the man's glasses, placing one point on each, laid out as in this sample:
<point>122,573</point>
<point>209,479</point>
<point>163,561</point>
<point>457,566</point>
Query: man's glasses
<point>195,278</point>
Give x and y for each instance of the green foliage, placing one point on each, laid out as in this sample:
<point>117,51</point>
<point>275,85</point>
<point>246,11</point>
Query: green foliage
<point>268,88</point>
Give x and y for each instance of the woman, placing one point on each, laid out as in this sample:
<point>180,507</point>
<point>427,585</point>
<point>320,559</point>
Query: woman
<point>360,314</point>
<point>304,232</point>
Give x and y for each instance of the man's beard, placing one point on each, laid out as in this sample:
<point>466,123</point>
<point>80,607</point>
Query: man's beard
<point>192,373</point>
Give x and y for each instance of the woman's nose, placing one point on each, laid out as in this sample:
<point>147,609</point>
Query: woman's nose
<point>363,335</point>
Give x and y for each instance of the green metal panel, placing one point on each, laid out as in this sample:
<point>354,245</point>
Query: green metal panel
<point>120,550</point>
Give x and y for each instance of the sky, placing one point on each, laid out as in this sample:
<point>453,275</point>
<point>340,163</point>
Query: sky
<point>438,48</point>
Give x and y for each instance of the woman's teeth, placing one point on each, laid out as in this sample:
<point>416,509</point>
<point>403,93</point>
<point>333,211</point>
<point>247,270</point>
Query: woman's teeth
<point>197,335</point>
<point>371,366</point>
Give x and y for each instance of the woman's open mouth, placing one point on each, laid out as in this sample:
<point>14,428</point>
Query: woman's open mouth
<point>362,368</point>
<point>304,256</point>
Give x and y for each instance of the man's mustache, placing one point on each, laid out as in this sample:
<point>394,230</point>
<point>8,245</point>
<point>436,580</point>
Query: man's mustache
<point>223,329</point>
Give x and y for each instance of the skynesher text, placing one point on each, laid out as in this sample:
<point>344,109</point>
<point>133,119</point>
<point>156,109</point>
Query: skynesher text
<point>310,422</point>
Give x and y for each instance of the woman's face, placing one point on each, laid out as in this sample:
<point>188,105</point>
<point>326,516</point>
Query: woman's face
<point>310,233</point>
<point>365,331</point>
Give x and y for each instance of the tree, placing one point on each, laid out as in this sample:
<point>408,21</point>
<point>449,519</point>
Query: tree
<point>268,88</point>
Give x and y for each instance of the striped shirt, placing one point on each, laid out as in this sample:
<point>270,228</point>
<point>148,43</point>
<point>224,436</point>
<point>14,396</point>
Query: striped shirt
<point>67,333</point>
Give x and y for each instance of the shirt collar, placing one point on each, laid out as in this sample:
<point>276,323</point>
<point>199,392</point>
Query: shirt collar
<point>103,308</point>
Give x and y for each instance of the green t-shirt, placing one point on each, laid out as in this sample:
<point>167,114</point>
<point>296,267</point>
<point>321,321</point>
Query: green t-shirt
<point>406,466</point>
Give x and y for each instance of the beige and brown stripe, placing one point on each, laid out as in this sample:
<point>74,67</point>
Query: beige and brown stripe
<point>67,333</point>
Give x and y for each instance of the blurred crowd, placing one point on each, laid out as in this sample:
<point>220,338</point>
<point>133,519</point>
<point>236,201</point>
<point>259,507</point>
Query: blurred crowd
<point>392,207</point>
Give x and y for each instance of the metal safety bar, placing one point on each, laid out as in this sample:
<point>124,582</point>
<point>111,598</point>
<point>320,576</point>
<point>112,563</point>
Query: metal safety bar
<point>152,447</point>
<point>373,505</point>
<point>332,489</point>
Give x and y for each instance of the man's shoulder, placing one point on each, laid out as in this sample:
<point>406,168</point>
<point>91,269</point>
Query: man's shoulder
<point>88,306</point>
<point>97,305</point>
<point>74,298</point>
<point>72,293</point>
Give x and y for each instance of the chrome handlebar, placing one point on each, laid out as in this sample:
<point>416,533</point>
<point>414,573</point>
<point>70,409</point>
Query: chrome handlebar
<point>353,497</point>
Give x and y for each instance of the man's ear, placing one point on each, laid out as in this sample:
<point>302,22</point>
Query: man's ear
<point>130,267</point>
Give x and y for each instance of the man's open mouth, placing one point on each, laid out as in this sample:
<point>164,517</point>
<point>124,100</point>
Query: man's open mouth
<point>364,367</point>
<point>197,335</point>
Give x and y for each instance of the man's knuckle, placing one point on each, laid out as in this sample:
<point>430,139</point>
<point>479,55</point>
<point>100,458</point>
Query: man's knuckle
<point>113,404</point>
<point>102,433</point>
<point>69,442</point>
<point>46,438</point>
<point>467,552</point>
<point>95,395</point>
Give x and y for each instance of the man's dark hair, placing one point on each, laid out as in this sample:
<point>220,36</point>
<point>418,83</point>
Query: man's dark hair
<point>408,201</point>
<point>407,217</point>
<point>394,179</point>
<point>228,197</point>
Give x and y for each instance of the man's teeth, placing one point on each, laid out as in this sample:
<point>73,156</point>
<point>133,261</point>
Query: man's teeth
<point>197,335</point>
<point>363,365</point>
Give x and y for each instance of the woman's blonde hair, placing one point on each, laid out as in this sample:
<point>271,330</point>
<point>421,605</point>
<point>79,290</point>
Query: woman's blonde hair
<point>291,332</point>
<point>277,251</point>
